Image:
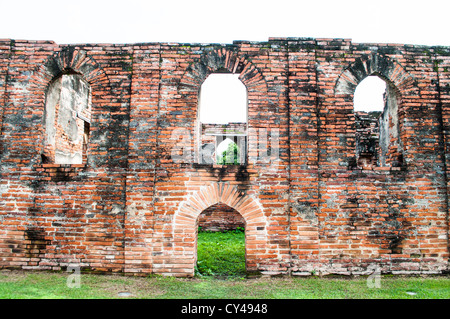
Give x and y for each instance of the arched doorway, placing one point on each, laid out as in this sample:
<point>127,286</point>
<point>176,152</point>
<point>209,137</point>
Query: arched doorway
<point>220,242</point>
<point>185,227</point>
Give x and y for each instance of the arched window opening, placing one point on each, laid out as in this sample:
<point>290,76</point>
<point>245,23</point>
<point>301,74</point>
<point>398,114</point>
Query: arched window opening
<point>67,120</point>
<point>377,125</point>
<point>220,242</point>
<point>222,116</point>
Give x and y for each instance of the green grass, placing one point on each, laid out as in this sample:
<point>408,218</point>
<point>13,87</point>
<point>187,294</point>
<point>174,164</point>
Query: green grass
<point>221,253</point>
<point>48,285</point>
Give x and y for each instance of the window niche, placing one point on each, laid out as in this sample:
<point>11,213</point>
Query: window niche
<point>378,142</point>
<point>222,120</point>
<point>67,120</point>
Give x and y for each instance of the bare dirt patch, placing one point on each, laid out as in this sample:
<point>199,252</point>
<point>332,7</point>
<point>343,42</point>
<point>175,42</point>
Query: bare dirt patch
<point>7,275</point>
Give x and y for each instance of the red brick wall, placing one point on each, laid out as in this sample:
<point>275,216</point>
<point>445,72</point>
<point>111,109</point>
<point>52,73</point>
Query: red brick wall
<point>308,203</point>
<point>220,217</point>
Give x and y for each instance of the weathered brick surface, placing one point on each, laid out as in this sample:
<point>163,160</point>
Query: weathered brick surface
<point>310,203</point>
<point>220,217</point>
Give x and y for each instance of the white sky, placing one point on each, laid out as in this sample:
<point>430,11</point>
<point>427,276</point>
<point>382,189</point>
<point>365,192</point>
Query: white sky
<point>369,95</point>
<point>223,99</point>
<point>203,21</point>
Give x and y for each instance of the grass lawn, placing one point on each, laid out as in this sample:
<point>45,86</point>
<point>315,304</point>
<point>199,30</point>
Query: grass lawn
<point>213,253</point>
<point>51,285</point>
<point>221,253</point>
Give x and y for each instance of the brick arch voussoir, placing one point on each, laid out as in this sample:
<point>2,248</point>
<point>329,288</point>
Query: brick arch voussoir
<point>187,215</point>
<point>75,60</point>
<point>218,60</point>
<point>376,64</point>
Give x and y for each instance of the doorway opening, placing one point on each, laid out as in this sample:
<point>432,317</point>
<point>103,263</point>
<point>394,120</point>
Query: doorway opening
<point>221,242</point>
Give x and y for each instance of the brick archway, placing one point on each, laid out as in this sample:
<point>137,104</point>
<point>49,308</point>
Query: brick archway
<point>74,59</point>
<point>185,223</point>
<point>223,60</point>
<point>374,64</point>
